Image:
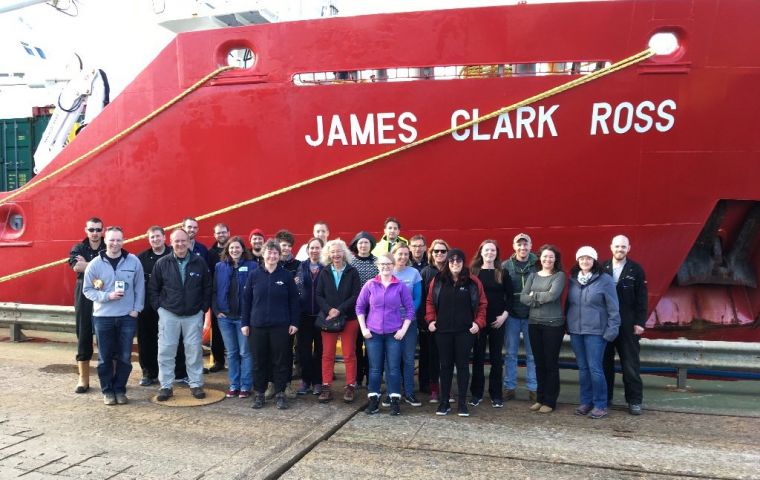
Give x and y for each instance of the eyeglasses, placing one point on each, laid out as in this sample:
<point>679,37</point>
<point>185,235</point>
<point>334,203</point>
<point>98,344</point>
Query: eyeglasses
<point>455,260</point>
<point>440,251</point>
<point>95,229</point>
<point>384,265</point>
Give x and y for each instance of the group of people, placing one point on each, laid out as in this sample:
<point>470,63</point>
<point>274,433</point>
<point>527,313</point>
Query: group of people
<point>382,299</point>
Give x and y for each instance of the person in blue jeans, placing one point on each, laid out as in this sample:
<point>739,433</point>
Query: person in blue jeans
<point>593,319</point>
<point>379,312</point>
<point>410,277</point>
<point>230,275</point>
<point>519,266</point>
<point>114,282</point>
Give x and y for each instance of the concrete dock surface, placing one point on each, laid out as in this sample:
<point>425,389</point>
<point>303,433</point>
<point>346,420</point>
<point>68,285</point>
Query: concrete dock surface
<point>47,431</point>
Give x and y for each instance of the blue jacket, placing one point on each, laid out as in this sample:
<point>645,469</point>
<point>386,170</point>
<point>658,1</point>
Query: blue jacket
<point>221,298</point>
<point>270,299</point>
<point>307,288</point>
<point>592,309</point>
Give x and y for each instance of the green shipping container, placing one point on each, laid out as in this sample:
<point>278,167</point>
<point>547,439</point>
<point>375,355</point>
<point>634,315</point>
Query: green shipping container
<point>19,138</point>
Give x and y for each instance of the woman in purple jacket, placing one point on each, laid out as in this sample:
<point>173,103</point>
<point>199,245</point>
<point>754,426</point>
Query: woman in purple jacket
<point>378,310</point>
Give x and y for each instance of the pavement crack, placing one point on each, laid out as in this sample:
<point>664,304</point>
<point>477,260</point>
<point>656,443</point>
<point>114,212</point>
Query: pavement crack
<point>25,439</point>
<point>43,465</point>
<point>119,472</point>
<point>80,462</point>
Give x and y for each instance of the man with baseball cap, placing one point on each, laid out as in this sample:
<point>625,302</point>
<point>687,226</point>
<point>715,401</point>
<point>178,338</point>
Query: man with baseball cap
<point>520,265</point>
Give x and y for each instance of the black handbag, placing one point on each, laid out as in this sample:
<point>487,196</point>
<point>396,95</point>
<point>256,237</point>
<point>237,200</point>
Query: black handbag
<point>333,325</point>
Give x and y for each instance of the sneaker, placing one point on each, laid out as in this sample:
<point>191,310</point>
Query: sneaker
<point>634,408</point>
<point>395,406</point>
<point>348,393</point>
<point>197,393</point>
<point>412,400</point>
<point>109,399</point>
<point>510,395</point>
<point>290,392</point>
<point>232,393</point>
<point>269,393</point>
<point>183,380</point>
<point>583,410</point>
<point>146,381</point>
<point>303,389</point>
<point>475,401</point>
<point>164,394</point>
<point>216,368</point>
<point>433,396</point>
<point>443,409</point>
<point>258,400</point>
<point>386,401</point>
<point>325,395</point>
<point>462,411</point>
<point>121,399</point>
<point>535,407</point>
<point>245,393</point>
<point>545,409</point>
<point>316,389</point>
<point>373,406</point>
<point>532,395</point>
<point>597,413</point>
<point>497,403</point>
<point>282,401</point>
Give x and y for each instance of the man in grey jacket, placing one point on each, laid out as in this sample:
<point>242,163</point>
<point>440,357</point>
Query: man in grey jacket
<point>114,282</point>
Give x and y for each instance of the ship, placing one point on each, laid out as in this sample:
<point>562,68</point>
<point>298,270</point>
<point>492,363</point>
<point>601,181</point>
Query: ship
<point>561,120</point>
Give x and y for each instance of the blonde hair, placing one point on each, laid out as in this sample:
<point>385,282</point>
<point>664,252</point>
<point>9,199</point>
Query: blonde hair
<point>398,246</point>
<point>325,255</point>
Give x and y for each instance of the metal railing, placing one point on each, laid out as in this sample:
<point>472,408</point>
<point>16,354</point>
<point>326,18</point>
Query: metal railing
<point>680,354</point>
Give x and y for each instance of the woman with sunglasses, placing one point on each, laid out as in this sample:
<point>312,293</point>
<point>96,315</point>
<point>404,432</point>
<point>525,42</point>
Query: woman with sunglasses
<point>456,311</point>
<point>546,325</point>
<point>230,276</point>
<point>498,287</point>
<point>385,311</point>
<point>428,349</point>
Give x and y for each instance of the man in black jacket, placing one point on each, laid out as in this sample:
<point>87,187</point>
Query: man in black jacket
<point>631,285</point>
<point>180,290</point>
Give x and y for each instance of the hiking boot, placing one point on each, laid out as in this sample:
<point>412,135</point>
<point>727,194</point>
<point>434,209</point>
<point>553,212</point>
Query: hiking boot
<point>373,406</point>
<point>282,401</point>
<point>164,394</point>
<point>325,394</point>
<point>269,393</point>
<point>232,393</point>
<point>583,410</point>
<point>290,392</point>
<point>258,400</point>
<point>443,409</point>
<point>532,395</point>
<point>462,411</point>
<point>634,408</point>
<point>395,406</point>
<point>109,399</point>
<point>198,393</point>
<point>348,394</point>
<point>510,395</point>
<point>597,413</point>
<point>475,401</point>
<point>121,399</point>
<point>412,400</point>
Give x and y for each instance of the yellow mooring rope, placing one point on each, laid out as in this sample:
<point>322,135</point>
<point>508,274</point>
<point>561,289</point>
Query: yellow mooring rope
<point>625,63</point>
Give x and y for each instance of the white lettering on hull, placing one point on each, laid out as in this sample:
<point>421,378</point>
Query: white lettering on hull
<point>625,116</point>
<point>385,128</point>
<point>525,119</point>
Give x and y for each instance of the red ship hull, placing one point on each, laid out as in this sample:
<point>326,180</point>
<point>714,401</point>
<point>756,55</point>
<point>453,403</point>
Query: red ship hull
<point>564,180</point>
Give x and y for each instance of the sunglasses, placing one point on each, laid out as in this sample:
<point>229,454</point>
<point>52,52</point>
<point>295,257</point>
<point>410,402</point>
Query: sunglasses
<point>439,251</point>
<point>455,260</point>
<point>93,230</point>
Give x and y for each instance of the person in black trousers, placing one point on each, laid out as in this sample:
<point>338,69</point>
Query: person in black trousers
<point>269,319</point>
<point>455,311</point>
<point>631,286</point>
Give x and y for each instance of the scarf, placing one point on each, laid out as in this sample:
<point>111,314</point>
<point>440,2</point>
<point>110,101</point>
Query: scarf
<point>583,278</point>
